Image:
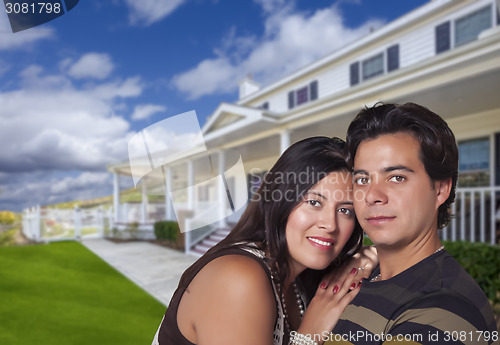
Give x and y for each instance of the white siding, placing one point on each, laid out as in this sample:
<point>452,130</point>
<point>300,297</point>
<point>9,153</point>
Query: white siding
<point>334,80</point>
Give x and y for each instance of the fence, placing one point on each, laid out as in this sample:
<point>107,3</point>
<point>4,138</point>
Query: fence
<point>47,224</point>
<point>477,215</point>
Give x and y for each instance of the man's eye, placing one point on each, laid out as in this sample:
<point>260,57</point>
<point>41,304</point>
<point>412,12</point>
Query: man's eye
<point>361,180</point>
<point>397,178</point>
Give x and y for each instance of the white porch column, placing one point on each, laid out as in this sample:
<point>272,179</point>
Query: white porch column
<point>168,188</point>
<point>144,203</point>
<point>116,197</point>
<point>191,183</point>
<point>221,189</point>
<point>284,140</point>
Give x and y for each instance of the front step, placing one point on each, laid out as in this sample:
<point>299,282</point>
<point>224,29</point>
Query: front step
<point>214,238</point>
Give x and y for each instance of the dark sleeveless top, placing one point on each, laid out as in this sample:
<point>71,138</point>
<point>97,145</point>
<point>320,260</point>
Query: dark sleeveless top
<point>168,332</point>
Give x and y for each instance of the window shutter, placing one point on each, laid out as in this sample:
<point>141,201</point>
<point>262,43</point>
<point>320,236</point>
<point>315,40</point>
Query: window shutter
<point>393,58</point>
<point>265,106</point>
<point>313,90</point>
<point>443,37</point>
<point>354,73</point>
<point>291,99</point>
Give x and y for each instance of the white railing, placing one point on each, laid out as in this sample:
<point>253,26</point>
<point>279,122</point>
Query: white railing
<point>41,224</point>
<point>476,215</point>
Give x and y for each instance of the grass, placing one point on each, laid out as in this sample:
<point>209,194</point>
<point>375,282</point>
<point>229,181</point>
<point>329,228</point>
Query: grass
<point>61,293</point>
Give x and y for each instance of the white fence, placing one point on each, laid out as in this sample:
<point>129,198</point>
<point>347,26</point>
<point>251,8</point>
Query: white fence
<point>477,216</point>
<point>47,224</point>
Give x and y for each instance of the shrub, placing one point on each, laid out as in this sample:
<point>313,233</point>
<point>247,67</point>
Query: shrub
<point>166,230</point>
<point>481,261</point>
<point>7,217</point>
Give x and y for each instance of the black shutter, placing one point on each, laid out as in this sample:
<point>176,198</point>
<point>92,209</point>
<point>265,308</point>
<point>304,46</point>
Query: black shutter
<point>443,37</point>
<point>393,58</point>
<point>291,99</point>
<point>354,73</point>
<point>265,106</point>
<point>313,90</point>
<point>497,159</point>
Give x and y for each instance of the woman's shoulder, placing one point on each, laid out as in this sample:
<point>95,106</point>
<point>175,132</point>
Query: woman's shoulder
<point>235,271</point>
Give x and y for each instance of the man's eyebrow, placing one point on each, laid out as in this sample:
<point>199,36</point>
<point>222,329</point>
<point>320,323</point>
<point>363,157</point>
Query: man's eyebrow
<point>397,167</point>
<point>360,172</point>
<point>384,170</point>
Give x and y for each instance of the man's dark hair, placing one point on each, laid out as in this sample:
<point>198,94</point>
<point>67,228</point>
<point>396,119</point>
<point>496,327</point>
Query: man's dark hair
<point>438,148</point>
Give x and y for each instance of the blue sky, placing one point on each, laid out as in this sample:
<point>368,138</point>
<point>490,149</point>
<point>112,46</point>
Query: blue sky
<point>74,91</point>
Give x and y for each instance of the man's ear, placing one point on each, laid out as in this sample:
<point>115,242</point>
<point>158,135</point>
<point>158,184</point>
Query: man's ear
<point>443,189</point>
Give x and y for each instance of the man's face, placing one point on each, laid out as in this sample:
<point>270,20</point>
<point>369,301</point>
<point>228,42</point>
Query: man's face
<point>395,200</point>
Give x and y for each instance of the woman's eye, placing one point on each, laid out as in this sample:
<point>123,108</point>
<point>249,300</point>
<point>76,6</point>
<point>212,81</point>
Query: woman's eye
<point>397,178</point>
<point>315,203</point>
<point>346,211</point>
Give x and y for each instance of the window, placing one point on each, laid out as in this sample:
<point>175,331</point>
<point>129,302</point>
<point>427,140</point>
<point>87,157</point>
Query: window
<point>303,95</point>
<point>392,58</point>
<point>443,37</point>
<point>354,73</point>
<point>469,27</point>
<point>465,29</point>
<point>474,163</point>
<point>373,66</point>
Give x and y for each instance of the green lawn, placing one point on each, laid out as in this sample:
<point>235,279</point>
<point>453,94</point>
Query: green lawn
<point>62,293</point>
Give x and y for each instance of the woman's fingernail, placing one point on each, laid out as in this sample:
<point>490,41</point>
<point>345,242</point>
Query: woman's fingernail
<point>335,289</point>
<point>323,285</point>
<point>353,286</point>
<point>360,284</point>
<point>353,271</point>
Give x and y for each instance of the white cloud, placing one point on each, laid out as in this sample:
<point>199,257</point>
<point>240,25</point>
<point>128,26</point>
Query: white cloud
<point>148,12</point>
<point>145,111</point>
<point>81,182</point>
<point>91,65</point>
<point>291,40</point>
<point>50,124</point>
<point>22,39</point>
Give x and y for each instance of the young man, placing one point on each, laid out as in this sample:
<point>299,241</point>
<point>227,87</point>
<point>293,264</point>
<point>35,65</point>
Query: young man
<point>405,168</point>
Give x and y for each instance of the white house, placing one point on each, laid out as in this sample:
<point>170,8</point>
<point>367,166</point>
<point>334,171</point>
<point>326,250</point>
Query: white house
<point>444,55</point>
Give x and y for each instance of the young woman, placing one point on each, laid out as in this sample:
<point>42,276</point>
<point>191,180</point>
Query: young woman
<point>252,287</point>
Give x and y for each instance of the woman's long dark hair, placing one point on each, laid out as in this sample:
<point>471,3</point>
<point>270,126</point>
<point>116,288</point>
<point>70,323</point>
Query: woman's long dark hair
<point>264,221</point>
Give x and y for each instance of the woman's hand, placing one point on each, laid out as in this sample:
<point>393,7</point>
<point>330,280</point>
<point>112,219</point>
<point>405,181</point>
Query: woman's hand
<point>327,305</point>
<point>364,261</point>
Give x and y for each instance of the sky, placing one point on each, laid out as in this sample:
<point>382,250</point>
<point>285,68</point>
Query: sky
<point>75,90</point>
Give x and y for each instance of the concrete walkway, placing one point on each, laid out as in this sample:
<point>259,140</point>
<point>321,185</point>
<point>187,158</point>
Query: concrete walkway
<point>154,268</point>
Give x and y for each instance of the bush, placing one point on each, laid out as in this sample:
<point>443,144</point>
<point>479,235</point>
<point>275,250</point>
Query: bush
<point>166,230</point>
<point>482,262</point>
<point>7,217</point>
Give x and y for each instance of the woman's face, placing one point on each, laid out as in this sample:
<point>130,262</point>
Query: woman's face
<point>321,224</point>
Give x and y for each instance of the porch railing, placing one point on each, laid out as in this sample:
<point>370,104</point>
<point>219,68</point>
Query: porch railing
<point>476,215</point>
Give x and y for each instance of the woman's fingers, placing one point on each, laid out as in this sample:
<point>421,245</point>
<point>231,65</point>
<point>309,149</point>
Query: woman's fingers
<point>365,262</point>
